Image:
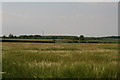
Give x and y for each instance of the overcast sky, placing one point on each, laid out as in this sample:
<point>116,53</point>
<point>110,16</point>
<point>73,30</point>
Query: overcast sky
<point>60,18</point>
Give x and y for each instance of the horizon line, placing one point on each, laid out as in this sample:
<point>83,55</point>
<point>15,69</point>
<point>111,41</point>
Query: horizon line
<point>59,35</point>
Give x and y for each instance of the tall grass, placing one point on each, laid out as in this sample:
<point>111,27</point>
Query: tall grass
<point>59,60</point>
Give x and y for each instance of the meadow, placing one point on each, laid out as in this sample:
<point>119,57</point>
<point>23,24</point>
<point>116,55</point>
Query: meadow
<point>59,60</point>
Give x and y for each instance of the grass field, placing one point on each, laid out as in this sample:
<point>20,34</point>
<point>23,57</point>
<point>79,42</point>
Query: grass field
<point>69,40</point>
<point>59,60</point>
<point>56,40</point>
<point>30,39</point>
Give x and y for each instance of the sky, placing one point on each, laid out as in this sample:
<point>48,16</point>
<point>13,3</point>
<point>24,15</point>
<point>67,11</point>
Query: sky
<point>0,18</point>
<point>60,18</point>
<point>60,0</point>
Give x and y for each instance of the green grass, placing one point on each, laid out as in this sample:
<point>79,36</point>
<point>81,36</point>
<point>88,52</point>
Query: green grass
<point>59,60</point>
<point>108,40</point>
<point>105,41</point>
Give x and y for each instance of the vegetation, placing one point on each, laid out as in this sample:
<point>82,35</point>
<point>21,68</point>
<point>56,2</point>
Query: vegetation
<point>59,60</point>
<point>11,36</point>
<point>54,57</point>
<point>39,37</point>
<point>65,39</point>
<point>81,38</point>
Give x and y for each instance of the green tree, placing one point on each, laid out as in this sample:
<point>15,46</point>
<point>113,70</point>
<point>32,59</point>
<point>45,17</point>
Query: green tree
<point>3,36</point>
<point>11,36</point>
<point>37,36</point>
<point>81,38</point>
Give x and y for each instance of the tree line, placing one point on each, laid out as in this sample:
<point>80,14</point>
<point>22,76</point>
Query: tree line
<point>57,37</point>
<point>11,36</point>
<point>42,37</point>
<point>75,39</point>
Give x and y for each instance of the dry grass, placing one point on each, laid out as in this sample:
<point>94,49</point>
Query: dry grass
<point>60,60</point>
<point>31,39</point>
